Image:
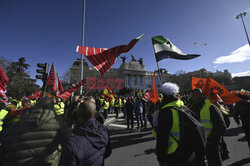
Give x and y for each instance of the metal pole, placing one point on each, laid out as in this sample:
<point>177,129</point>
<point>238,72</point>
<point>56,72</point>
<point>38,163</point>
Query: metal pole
<point>245,29</point>
<point>82,43</point>
<point>159,72</point>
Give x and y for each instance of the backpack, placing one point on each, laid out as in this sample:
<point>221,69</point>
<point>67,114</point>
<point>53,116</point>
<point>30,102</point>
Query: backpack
<point>192,130</point>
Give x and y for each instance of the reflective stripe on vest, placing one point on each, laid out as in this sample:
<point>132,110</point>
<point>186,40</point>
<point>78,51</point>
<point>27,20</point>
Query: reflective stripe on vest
<point>3,113</point>
<point>206,118</point>
<point>175,130</point>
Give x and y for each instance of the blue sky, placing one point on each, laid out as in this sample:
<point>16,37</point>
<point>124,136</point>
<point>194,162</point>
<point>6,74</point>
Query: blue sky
<point>50,30</point>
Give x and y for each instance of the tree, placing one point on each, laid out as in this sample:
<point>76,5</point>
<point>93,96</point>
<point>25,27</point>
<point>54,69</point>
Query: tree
<point>180,72</point>
<point>4,63</point>
<point>20,82</point>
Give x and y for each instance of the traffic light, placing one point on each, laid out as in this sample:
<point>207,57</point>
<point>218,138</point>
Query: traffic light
<point>43,71</point>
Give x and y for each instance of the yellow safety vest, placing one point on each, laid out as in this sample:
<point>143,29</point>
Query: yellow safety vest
<point>59,108</point>
<point>106,105</point>
<point>117,103</point>
<point>101,101</point>
<point>206,118</point>
<point>175,130</point>
<point>3,113</point>
<point>113,102</point>
<point>33,101</point>
<point>120,102</point>
<point>123,103</point>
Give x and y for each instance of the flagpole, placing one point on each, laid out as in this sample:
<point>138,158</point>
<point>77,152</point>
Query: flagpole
<point>82,43</point>
<point>158,70</point>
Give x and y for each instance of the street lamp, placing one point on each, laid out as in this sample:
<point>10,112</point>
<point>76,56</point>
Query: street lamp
<point>241,16</point>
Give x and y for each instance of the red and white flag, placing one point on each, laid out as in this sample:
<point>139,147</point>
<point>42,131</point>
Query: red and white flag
<point>3,79</point>
<point>67,93</point>
<point>53,80</point>
<point>103,58</point>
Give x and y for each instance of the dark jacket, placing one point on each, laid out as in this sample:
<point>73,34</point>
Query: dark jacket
<point>219,125</point>
<point>88,147</point>
<point>243,108</point>
<point>129,107</point>
<point>34,139</point>
<point>183,154</point>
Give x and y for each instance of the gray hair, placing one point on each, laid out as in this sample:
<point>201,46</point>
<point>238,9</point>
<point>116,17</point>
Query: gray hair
<point>170,89</point>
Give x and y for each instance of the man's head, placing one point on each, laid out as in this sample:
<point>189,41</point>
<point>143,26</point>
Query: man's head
<point>58,100</point>
<point>86,111</point>
<point>169,89</point>
<point>197,95</point>
<point>45,103</point>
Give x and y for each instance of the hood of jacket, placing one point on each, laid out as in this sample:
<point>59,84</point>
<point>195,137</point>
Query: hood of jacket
<point>37,116</point>
<point>94,132</point>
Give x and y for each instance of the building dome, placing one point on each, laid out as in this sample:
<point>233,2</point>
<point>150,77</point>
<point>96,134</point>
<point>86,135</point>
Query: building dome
<point>77,62</point>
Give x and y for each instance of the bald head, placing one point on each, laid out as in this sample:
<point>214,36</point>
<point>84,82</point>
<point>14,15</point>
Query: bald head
<point>86,111</point>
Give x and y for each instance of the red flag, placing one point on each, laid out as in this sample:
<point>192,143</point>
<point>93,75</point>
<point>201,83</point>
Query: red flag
<point>102,58</point>
<point>36,95</point>
<point>212,87</point>
<point>53,80</point>
<point>67,93</point>
<point>198,82</point>
<point>3,80</point>
<point>153,93</point>
<point>60,87</point>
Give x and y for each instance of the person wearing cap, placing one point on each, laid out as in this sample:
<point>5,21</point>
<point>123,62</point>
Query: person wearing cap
<point>169,149</point>
<point>243,109</point>
<point>212,119</point>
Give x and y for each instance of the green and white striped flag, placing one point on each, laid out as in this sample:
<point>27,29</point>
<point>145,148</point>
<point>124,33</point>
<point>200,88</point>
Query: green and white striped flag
<point>165,49</point>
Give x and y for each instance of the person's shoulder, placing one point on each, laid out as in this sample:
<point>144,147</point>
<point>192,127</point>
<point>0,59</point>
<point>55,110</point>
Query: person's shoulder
<point>75,141</point>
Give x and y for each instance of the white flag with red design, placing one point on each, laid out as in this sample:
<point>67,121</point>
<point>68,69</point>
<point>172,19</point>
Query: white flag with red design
<point>103,58</point>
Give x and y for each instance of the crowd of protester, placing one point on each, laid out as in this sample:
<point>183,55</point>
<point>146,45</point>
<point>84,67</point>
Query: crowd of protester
<point>50,131</point>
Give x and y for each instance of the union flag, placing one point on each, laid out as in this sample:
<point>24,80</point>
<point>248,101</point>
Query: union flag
<point>211,87</point>
<point>198,82</point>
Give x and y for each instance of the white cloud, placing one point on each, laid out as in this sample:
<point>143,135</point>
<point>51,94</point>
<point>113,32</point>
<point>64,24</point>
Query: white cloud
<point>240,55</point>
<point>241,74</point>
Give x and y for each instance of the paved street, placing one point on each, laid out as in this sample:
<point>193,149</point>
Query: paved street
<point>133,148</point>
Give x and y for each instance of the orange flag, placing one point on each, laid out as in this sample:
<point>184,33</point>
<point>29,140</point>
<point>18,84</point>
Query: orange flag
<point>212,87</point>
<point>153,93</point>
<point>198,82</point>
